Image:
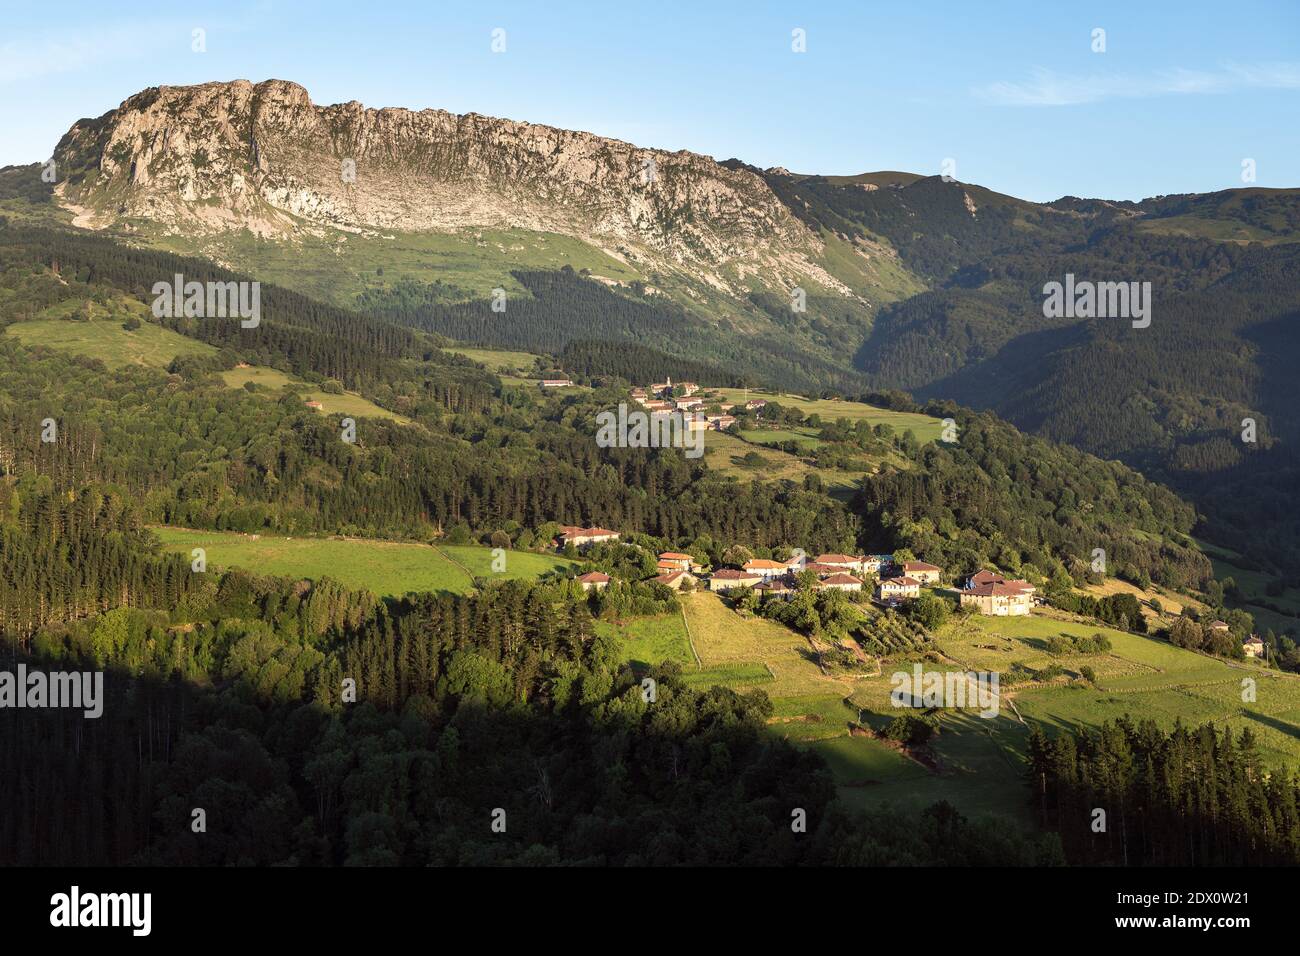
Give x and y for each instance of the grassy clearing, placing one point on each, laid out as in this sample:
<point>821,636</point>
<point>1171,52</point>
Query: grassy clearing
<point>724,637</point>
<point>104,338</point>
<point>1218,230</point>
<point>725,454</point>
<point>498,360</point>
<point>760,436</point>
<point>925,428</point>
<point>652,640</point>
<point>387,568</point>
<point>1172,604</point>
<point>272,382</point>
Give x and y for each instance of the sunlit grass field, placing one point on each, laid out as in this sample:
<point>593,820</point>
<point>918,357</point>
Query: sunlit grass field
<point>387,568</point>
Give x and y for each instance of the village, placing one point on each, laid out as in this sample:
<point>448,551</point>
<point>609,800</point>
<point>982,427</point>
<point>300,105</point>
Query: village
<point>879,578</point>
<point>892,583</point>
<point>663,399</point>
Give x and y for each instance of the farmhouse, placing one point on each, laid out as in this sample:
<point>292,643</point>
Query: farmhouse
<point>585,537</point>
<point>755,405</point>
<point>675,579</point>
<point>1219,626</point>
<point>594,579</point>
<point>685,404</point>
<point>729,578</point>
<point>981,578</point>
<point>314,404</point>
<point>766,569</point>
<point>555,383</point>
<point>844,562</point>
<point>1253,646</point>
<point>893,590</point>
<point>721,422</point>
<point>797,563</point>
<point>776,588</point>
<point>920,571</point>
<point>841,582</point>
<point>1001,597</point>
<point>677,561</point>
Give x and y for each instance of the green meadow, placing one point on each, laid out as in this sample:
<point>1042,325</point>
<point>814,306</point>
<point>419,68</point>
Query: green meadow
<point>650,641</point>
<point>340,267</point>
<point>103,338</point>
<point>387,568</point>
<point>272,382</point>
<point>925,428</point>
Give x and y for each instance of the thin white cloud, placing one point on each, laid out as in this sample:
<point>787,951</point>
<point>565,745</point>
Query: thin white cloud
<point>34,57</point>
<point>1048,88</point>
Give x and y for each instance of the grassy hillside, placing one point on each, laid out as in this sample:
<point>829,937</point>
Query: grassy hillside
<point>103,337</point>
<point>273,381</point>
<point>976,761</point>
<point>726,454</point>
<point>649,641</point>
<point>924,427</point>
<point>387,568</point>
<point>341,267</point>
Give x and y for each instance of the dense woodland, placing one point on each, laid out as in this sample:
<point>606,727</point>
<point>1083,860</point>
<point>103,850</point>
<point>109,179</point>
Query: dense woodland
<point>564,307</point>
<point>1187,797</point>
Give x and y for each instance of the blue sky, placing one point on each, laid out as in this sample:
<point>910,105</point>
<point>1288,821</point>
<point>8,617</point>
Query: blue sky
<point>1012,91</point>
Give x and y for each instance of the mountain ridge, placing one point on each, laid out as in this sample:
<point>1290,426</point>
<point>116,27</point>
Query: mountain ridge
<point>263,157</point>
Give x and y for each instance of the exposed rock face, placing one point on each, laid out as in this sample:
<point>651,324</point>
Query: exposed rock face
<point>223,156</point>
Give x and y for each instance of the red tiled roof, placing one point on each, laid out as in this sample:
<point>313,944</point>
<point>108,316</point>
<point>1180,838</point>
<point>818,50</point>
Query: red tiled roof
<point>841,578</point>
<point>919,566</point>
<point>1001,589</point>
<point>901,582</point>
<point>668,578</point>
<point>731,574</point>
<point>836,559</point>
<point>764,564</point>
<point>675,556</point>
<point>594,577</point>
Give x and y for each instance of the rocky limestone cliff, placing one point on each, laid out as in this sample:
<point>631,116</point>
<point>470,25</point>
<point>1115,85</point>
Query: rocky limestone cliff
<point>229,156</point>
